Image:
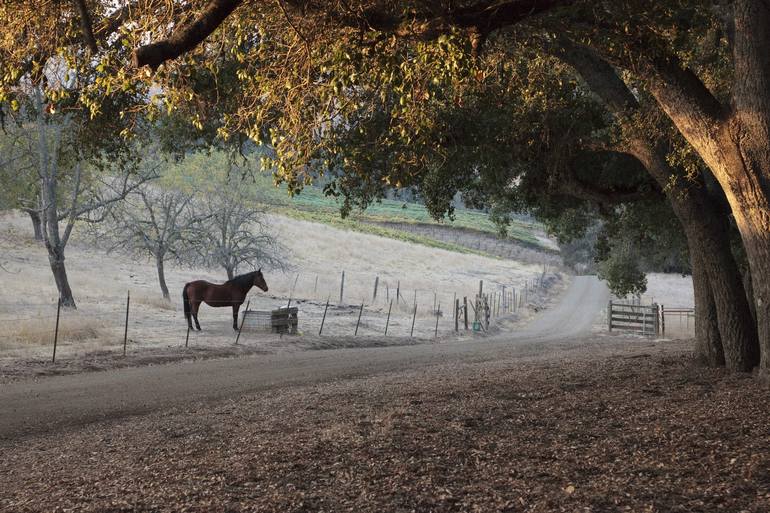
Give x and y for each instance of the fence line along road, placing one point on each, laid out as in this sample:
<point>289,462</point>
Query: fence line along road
<point>488,303</point>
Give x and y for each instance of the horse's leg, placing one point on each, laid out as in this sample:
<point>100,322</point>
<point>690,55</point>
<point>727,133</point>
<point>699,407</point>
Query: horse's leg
<point>235,316</point>
<point>195,307</point>
<point>187,306</point>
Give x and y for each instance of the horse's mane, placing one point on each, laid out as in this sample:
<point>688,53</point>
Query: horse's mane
<point>243,281</point>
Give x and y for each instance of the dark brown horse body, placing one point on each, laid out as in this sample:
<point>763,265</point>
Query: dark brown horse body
<point>231,293</point>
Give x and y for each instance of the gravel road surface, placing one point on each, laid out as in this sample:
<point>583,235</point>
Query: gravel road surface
<point>43,405</point>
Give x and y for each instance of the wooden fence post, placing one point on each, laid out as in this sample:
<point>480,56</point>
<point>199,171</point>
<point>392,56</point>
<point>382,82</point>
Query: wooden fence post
<point>465,311</point>
<point>398,291</point>
<point>359,319</point>
<point>662,320</point>
<point>323,320</point>
<point>609,316</point>
<point>457,315</point>
<point>342,286</point>
<point>387,322</point>
<point>481,287</point>
<point>56,331</point>
<point>243,319</point>
<point>376,282</point>
<point>414,316</point>
<point>125,329</point>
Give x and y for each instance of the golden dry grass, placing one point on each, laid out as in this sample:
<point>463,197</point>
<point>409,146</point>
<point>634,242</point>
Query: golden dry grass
<point>38,331</point>
<point>153,301</point>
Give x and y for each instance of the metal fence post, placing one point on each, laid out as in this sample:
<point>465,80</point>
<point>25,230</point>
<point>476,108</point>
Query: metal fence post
<point>125,329</point>
<point>387,322</point>
<point>438,314</point>
<point>56,331</point>
<point>359,317</point>
<point>243,319</point>
<point>324,317</point>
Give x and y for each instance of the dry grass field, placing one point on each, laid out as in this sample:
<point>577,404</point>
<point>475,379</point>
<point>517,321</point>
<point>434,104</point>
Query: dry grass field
<point>318,254</point>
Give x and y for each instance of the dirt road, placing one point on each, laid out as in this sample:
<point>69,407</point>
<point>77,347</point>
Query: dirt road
<point>55,402</point>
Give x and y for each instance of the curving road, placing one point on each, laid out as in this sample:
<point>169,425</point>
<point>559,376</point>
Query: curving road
<point>61,401</point>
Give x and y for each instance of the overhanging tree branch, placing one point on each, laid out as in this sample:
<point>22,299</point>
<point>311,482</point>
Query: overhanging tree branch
<point>86,25</point>
<point>480,18</point>
<point>186,37</point>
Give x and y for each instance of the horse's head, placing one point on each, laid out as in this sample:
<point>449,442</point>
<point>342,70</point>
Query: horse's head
<point>259,280</point>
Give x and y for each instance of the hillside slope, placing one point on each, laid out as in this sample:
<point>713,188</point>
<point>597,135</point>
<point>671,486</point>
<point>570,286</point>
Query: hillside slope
<point>318,254</point>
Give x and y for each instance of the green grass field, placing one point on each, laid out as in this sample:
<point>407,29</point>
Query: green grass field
<point>312,205</point>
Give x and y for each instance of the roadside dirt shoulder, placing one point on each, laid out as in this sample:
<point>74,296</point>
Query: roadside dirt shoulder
<point>609,425</point>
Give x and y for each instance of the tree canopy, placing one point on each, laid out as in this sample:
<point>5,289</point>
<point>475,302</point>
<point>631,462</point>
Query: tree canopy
<point>554,106</point>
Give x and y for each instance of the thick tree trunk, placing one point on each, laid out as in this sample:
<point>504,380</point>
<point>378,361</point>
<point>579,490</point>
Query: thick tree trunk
<point>749,287</point>
<point>750,164</point>
<point>745,185</point>
<point>162,277</point>
<point>56,260</point>
<point>706,230</point>
<point>36,224</point>
<point>708,239</point>
<point>734,141</point>
<point>230,272</point>
<point>708,343</point>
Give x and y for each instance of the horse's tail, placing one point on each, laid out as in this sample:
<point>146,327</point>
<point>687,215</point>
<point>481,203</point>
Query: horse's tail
<point>186,302</point>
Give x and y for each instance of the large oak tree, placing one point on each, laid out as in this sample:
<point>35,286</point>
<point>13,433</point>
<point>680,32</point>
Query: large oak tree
<point>302,76</point>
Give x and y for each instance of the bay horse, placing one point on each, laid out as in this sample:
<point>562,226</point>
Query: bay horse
<point>231,293</point>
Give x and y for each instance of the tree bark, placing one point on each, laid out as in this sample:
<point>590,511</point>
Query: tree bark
<point>706,231</point>
<point>230,272</point>
<point>56,260</point>
<point>708,343</point>
<point>159,263</point>
<point>36,223</point>
<point>734,142</point>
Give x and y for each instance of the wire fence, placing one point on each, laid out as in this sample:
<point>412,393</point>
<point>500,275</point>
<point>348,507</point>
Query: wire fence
<point>387,309</point>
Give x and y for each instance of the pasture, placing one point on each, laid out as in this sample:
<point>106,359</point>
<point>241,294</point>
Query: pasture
<point>318,255</point>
